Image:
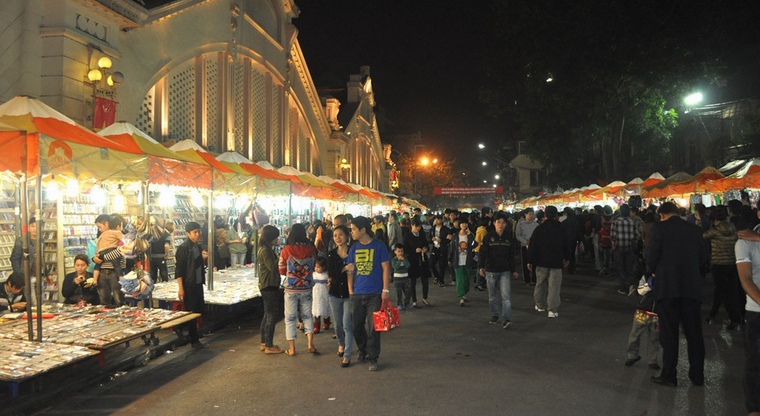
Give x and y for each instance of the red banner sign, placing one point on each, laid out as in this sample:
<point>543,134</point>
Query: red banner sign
<point>468,190</point>
<point>105,113</point>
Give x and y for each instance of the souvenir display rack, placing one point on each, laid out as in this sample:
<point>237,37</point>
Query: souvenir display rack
<point>180,214</point>
<point>77,227</point>
<point>50,239</point>
<point>7,231</point>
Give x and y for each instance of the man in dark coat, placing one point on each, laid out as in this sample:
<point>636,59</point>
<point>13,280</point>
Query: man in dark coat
<point>191,276</point>
<point>675,254</point>
<point>549,251</point>
<point>573,234</point>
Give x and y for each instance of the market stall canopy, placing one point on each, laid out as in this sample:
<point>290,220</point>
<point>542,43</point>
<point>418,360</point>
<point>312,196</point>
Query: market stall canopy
<point>652,180</point>
<point>658,189</point>
<point>165,166</point>
<point>55,144</point>
<point>705,181</point>
<point>229,178</point>
<point>748,176</point>
<point>732,167</point>
<point>253,168</point>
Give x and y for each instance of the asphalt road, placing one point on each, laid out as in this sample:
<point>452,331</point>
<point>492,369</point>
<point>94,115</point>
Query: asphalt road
<point>444,360</point>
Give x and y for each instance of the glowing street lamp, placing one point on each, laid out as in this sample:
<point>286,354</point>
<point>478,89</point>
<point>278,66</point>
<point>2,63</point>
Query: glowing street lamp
<point>693,99</point>
<point>497,177</point>
<point>485,163</point>
<point>424,161</point>
<point>481,146</point>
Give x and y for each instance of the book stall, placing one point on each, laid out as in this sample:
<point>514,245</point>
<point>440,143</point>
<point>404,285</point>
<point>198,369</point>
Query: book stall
<point>232,286</point>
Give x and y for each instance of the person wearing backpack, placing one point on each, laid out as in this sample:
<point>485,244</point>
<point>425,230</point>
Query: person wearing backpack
<point>605,240</point>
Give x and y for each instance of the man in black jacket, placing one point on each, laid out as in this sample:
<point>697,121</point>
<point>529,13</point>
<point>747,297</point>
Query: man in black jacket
<point>549,252</point>
<point>675,254</point>
<point>439,235</point>
<point>495,263</point>
<point>191,276</point>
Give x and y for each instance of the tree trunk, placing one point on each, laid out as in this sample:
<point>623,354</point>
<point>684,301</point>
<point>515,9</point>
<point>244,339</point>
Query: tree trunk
<point>617,147</point>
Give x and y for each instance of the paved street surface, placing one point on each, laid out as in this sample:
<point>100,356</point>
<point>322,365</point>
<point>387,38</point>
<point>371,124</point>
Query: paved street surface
<point>444,360</point>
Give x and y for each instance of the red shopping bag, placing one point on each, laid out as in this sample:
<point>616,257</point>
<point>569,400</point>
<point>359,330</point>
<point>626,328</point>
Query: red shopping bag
<point>387,318</point>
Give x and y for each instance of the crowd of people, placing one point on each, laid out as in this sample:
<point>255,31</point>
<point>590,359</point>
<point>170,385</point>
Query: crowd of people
<point>338,271</point>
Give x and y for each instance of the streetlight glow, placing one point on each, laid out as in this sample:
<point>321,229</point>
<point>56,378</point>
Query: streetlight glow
<point>435,161</point>
<point>496,177</point>
<point>424,161</point>
<point>693,99</point>
<point>481,146</point>
<point>485,163</point>
<point>485,181</point>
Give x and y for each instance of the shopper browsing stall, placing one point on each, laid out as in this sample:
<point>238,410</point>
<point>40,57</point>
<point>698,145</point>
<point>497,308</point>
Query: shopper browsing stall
<point>12,294</point>
<point>191,276</point>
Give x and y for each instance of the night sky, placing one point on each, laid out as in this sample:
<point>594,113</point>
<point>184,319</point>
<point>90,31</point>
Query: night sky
<point>425,59</point>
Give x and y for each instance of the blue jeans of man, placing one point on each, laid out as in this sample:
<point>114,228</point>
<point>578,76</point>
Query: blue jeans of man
<point>367,340</point>
<point>500,281</point>
<point>295,302</point>
<point>344,326</point>
<point>624,259</point>
<point>752,362</point>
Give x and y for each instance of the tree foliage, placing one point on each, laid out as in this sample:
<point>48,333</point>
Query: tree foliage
<point>617,69</point>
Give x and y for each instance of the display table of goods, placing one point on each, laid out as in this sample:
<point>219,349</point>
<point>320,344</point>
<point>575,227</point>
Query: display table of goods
<point>93,326</point>
<point>231,286</point>
<point>20,360</point>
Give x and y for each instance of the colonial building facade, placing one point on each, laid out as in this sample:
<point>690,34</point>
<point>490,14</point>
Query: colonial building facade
<point>229,74</point>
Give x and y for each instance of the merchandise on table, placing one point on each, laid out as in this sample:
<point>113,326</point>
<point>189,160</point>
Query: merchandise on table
<point>231,286</point>
<point>23,359</point>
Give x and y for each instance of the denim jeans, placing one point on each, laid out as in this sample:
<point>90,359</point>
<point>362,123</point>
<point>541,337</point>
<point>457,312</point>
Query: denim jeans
<point>273,305</point>
<point>109,289</point>
<point>550,279</point>
<point>403,292</point>
<point>237,258</point>
<point>502,281</point>
<point>367,340</point>
<point>344,326</point>
<point>752,362</point>
<point>295,302</point>
<point>624,260</point>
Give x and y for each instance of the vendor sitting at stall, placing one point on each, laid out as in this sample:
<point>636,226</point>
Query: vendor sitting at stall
<point>12,294</point>
<point>78,285</point>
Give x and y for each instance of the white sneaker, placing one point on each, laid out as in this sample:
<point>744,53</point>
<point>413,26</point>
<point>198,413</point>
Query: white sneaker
<point>553,314</point>
<point>540,309</point>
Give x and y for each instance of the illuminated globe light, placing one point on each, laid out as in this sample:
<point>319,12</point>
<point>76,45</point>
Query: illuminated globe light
<point>494,185</point>
<point>223,201</point>
<point>118,202</point>
<point>52,192</point>
<point>196,199</point>
<point>99,196</point>
<point>424,161</point>
<point>435,161</point>
<point>485,181</point>
<point>72,188</point>
<point>481,146</point>
<point>242,202</point>
<point>496,176</point>
<point>485,163</point>
<point>693,99</point>
<point>104,62</point>
<point>166,197</point>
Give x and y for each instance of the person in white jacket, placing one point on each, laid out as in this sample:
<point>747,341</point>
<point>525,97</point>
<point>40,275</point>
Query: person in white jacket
<point>523,232</point>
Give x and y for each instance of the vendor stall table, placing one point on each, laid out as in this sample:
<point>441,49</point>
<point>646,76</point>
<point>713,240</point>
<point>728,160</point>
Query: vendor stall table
<point>231,286</point>
<point>23,360</point>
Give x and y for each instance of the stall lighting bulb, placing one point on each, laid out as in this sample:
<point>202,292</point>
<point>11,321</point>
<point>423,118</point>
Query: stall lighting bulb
<point>118,202</point>
<point>99,196</point>
<point>223,201</point>
<point>72,188</point>
<point>196,199</point>
<point>166,198</point>
<point>52,191</point>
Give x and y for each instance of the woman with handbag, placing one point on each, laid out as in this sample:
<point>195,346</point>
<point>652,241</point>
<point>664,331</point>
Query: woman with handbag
<point>339,297</point>
<point>269,285</point>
